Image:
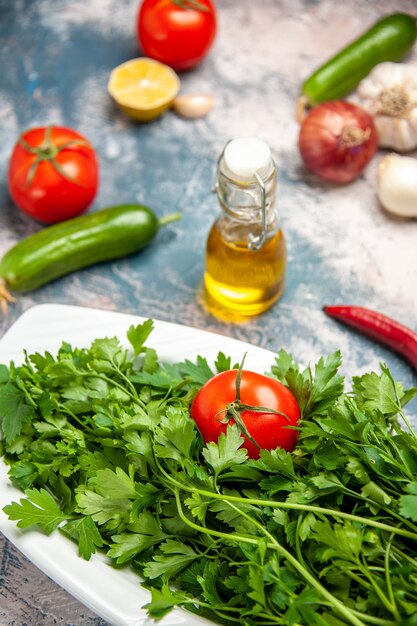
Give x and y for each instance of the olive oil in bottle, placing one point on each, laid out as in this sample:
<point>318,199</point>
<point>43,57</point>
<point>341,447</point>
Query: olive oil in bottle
<point>245,252</point>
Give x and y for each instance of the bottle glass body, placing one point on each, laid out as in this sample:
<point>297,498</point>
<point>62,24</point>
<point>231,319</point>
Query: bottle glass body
<point>242,278</point>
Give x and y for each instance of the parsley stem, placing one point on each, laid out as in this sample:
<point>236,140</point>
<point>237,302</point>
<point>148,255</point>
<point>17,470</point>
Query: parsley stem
<point>127,381</point>
<point>399,407</point>
<point>381,595</point>
<point>388,578</point>
<point>403,555</point>
<point>27,394</point>
<point>378,621</point>
<point>297,507</point>
<point>358,579</point>
<point>274,545</point>
<point>292,506</point>
<point>75,417</point>
<point>297,543</point>
<point>92,374</point>
<point>272,620</point>
<point>232,609</point>
<point>408,423</point>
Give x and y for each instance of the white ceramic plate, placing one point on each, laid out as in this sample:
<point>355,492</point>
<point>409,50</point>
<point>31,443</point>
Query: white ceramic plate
<point>114,594</point>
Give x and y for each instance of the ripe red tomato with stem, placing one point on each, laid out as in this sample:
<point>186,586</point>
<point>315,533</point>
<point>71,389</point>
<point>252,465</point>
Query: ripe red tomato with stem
<point>178,33</point>
<point>53,173</point>
<point>263,409</point>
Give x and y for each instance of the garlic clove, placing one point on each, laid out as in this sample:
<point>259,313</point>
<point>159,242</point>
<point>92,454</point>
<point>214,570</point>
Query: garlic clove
<point>397,185</point>
<point>193,106</point>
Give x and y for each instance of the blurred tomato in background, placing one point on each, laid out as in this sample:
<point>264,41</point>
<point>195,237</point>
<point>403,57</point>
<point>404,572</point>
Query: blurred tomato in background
<point>53,173</point>
<point>178,33</point>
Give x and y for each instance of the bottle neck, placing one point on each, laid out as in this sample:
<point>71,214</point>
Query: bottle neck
<point>249,212</point>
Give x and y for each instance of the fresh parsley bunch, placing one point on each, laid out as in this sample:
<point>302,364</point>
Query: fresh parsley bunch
<point>102,443</point>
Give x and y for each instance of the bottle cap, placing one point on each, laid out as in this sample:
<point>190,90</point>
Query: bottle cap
<point>246,156</point>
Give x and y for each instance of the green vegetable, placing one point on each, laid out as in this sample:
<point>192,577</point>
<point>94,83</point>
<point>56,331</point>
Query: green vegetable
<point>73,244</point>
<point>103,445</point>
<point>389,39</point>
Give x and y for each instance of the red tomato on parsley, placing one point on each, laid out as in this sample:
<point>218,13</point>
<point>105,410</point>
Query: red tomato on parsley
<point>53,173</point>
<point>178,33</point>
<point>269,430</point>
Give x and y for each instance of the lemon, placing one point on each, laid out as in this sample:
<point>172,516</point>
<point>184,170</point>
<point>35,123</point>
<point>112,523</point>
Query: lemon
<point>143,88</point>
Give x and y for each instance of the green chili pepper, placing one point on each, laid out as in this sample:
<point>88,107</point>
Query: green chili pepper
<point>76,243</point>
<point>388,40</point>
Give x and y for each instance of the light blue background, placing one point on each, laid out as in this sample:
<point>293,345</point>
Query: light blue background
<point>55,59</point>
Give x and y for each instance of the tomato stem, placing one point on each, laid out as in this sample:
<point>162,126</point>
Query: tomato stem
<point>234,409</point>
<point>48,151</point>
<point>262,409</point>
<point>239,378</point>
<point>189,5</point>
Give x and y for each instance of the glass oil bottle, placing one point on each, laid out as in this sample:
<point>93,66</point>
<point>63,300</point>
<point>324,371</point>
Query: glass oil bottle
<point>245,252</point>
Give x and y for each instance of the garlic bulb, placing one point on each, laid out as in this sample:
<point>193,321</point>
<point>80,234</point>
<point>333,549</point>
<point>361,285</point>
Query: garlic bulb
<point>397,184</point>
<point>389,94</point>
<point>193,106</point>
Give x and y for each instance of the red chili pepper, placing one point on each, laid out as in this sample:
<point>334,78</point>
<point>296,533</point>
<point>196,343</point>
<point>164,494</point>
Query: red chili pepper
<point>384,329</point>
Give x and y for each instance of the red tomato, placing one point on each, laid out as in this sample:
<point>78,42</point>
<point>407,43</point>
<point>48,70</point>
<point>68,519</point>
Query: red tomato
<point>53,173</point>
<point>269,430</point>
<point>178,33</point>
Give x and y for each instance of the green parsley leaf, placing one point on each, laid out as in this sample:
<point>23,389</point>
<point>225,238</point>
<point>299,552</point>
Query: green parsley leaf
<point>4,374</point>
<point>23,474</point>
<point>377,392</point>
<point>159,379</point>
<point>374,492</point>
<point>211,582</point>
<point>199,372</point>
<point>107,350</point>
<point>408,507</point>
<point>62,372</point>
<point>227,452</point>
<point>38,508</point>
<point>314,391</point>
<point>146,497</point>
<point>137,335</point>
<point>101,508</point>
<point>277,461</point>
<point>176,435</point>
<point>198,505</point>
<point>327,383</point>
<point>174,558</point>
<point>85,533</point>
<point>110,439</point>
<point>113,484</point>
<point>223,363</point>
<point>15,411</point>
<point>148,533</point>
<point>230,513</point>
<point>163,601</point>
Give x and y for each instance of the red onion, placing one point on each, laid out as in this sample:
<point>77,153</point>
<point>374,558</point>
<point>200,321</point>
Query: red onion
<point>337,140</point>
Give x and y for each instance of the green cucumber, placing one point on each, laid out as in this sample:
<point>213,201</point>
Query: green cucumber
<point>76,243</point>
<point>390,39</point>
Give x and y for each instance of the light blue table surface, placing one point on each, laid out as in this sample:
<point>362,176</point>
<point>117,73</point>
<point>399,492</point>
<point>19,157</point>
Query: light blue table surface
<point>55,60</point>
